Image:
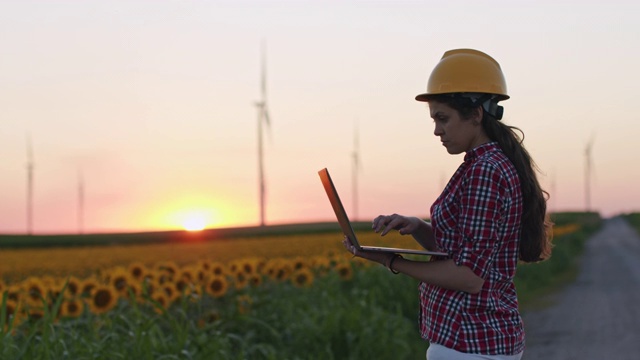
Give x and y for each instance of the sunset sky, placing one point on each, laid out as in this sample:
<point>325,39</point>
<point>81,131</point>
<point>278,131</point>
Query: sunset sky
<point>150,106</point>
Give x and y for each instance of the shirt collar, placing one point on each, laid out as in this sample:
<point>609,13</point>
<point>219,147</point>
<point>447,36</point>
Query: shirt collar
<point>480,150</point>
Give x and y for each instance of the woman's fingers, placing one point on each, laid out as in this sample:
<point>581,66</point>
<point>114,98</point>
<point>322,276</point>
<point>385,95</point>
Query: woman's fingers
<point>348,245</point>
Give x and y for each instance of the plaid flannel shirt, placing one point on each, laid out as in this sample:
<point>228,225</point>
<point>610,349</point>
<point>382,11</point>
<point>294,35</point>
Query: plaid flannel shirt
<point>476,220</point>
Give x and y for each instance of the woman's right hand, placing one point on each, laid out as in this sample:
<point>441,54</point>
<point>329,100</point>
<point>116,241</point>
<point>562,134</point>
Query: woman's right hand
<point>405,225</point>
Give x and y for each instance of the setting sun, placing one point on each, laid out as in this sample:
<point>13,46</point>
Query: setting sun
<point>196,222</point>
<point>194,212</point>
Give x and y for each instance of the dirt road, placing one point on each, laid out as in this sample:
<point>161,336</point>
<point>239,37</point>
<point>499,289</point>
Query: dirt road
<point>598,316</point>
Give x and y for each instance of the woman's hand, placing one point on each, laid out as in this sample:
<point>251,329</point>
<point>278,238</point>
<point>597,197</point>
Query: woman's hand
<point>405,225</point>
<point>379,257</point>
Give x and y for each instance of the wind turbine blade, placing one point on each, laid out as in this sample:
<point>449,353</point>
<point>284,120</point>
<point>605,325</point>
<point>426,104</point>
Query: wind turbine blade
<point>267,120</point>
<point>263,76</point>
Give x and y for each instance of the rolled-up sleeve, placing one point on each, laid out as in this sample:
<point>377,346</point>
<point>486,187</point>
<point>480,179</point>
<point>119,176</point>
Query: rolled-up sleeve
<point>479,218</point>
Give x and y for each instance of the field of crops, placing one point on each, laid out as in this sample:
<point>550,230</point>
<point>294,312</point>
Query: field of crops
<point>285,296</point>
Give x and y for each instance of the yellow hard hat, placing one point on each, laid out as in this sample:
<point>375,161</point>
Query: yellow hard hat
<point>466,71</point>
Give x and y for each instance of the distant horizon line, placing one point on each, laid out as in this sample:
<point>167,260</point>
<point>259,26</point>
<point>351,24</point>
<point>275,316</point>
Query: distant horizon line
<point>239,226</point>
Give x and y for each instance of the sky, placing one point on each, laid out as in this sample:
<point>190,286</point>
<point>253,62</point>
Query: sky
<point>149,107</point>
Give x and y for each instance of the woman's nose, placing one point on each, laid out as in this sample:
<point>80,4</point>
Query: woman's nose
<point>437,131</point>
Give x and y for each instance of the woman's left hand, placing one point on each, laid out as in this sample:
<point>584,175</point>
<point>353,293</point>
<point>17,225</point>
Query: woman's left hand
<point>379,257</point>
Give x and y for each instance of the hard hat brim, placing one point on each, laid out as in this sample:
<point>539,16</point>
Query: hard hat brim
<point>425,97</point>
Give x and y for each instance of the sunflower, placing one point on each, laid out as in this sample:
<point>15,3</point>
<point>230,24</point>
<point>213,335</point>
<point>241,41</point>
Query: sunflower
<point>187,289</point>
<point>260,264</point>
<point>302,277</point>
<point>35,290</point>
<point>217,286</point>
<point>103,298</point>
<point>163,277</point>
<point>234,266</point>
<point>49,280</point>
<point>204,265</point>
<point>240,280</point>
<point>73,288</point>
<point>72,308</point>
<point>53,293</point>
<point>255,280</point>
<point>120,279</point>
<point>195,291</point>
<point>209,317</point>
<point>344,270</point>
<point>218,269</point>
<point>321,264</point>
<point>87,285</point>
<point>299,262</point>
<point>137,271</point>
<point>134,292</point>
<point>14,292</point>
<point>280,270</point>
<point>248,266</point>
<point>170,290</point>
<point>160,301</point>
<point>201,276</point>
<point>168,267</point>
<point>149,287</point>
<point>244,303</point>
<point>564,230</point>
<point>35,313</point>
<point>188,274</point>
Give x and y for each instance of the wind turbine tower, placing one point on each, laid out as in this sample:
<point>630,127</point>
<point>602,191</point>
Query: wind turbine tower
<point>588,171</point>
<point>30,167</point>
<point>263,119</point>
<point>355,169</point>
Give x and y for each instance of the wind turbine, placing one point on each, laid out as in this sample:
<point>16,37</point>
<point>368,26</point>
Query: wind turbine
<point>588,171</point>
<point>263,119</point>
<point>30,167</point>
<point>355,169</point>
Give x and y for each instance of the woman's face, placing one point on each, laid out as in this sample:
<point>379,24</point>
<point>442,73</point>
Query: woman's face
<point>457,134</point>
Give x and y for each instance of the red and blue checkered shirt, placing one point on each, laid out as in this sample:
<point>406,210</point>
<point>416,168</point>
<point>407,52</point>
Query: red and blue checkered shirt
<point>476,220</point>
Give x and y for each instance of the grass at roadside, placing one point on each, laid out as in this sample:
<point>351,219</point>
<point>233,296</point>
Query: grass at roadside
<point>634,220</point>
<point>533,281</point>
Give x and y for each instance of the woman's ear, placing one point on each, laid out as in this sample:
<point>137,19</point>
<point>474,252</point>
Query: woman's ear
<point>477,114</point>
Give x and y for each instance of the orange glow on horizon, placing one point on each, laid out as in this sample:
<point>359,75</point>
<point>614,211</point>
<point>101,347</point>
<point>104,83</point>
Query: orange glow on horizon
<point>190,212</point>
<point>194,219</point>
<point>194,222</point>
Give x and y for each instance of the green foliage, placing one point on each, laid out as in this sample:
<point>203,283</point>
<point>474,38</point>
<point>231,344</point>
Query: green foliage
<point>588,219</point>
<point>634,220</point>
<point>371,316</point>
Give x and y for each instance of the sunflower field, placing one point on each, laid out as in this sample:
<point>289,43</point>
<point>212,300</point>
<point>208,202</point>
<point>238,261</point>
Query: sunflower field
<point>282,297</point>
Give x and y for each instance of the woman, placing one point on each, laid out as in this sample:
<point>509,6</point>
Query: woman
<point>491,214</point>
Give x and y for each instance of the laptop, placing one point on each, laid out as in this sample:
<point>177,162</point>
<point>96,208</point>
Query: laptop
<point>345,224</point>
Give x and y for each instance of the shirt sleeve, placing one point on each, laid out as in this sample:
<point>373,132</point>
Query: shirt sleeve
<point>479,218</point>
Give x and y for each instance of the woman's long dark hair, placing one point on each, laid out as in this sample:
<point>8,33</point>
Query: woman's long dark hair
<point>535,238</point>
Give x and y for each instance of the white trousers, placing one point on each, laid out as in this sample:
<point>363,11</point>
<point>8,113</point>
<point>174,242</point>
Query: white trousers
<point>439,352</point>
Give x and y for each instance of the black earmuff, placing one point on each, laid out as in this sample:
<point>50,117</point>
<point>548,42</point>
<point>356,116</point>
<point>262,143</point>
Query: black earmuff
<point>499,112</point>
